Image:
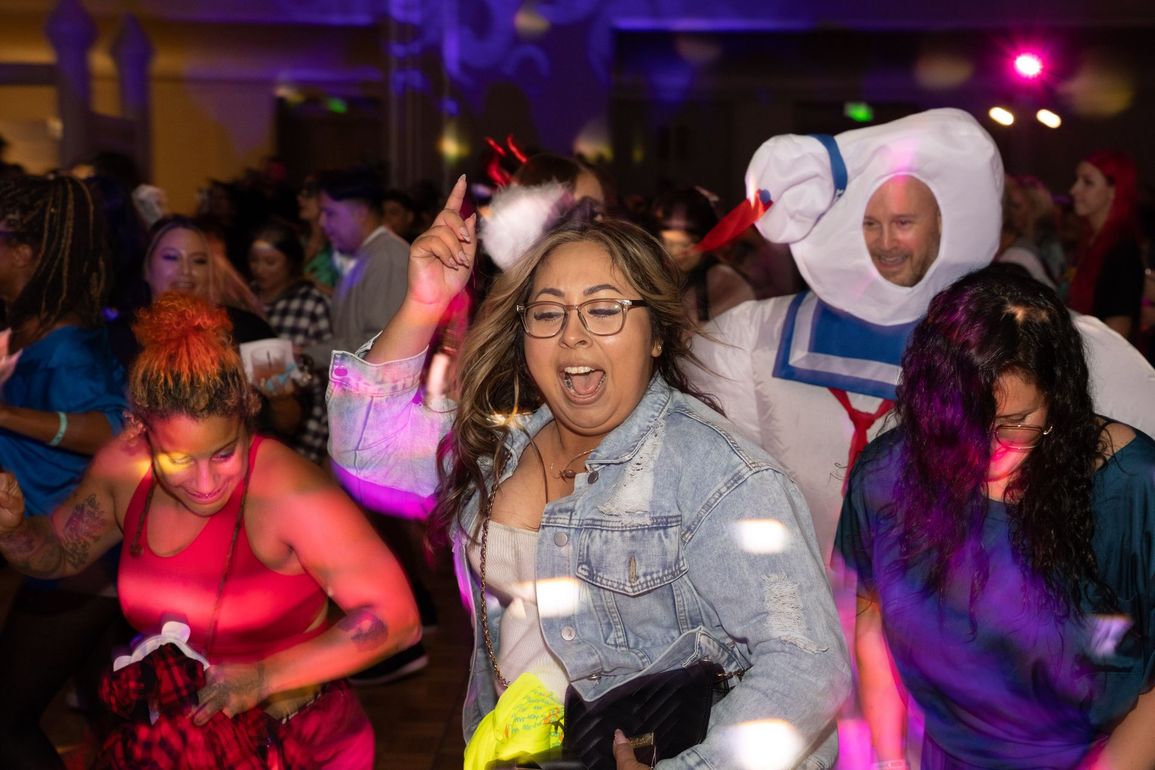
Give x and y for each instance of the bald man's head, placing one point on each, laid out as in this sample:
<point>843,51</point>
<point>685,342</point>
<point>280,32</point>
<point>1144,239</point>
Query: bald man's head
<point>902,227</point>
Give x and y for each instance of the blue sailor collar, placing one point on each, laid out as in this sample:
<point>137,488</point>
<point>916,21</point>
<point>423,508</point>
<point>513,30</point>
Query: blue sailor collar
<point>824,346</point>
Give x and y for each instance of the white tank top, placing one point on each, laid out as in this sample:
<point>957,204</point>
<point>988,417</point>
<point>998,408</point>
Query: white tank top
<point>510,576</point>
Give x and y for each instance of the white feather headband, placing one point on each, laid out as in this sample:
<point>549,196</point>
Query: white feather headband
<point>519,216</point>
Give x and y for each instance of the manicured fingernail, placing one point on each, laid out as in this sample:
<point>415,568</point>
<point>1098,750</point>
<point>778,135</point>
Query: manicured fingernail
<point>620,737</point>
<point>464,233</point>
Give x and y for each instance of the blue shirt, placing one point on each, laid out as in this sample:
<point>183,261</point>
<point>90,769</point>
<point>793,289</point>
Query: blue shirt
<point>1004,681</point>
<point>70,370</point>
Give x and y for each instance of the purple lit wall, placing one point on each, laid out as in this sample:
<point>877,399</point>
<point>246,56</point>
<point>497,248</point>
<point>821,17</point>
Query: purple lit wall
<point>584,74</point>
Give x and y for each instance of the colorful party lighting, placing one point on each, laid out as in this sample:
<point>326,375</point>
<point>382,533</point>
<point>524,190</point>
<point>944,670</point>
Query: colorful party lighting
<point>453,148</point>
<point>1048,118</point>
<point>1028,65</point>
<point>859,112</point>
<point>1002,116</point>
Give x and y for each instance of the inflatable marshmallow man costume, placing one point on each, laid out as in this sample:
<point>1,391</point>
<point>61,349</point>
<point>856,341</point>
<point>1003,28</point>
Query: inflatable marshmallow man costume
<point>775,364</point>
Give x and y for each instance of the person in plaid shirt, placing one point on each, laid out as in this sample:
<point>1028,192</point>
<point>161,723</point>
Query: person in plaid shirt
<point>298,311</point>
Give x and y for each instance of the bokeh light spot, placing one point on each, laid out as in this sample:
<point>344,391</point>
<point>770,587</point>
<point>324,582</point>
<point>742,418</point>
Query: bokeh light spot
<point>557,597</point>
<point>1002,116</point>
<point>1028,65</point>
<point>942,71</point>
<point>1048,118</point>
<point>762,536</point>
<point>769,744</point>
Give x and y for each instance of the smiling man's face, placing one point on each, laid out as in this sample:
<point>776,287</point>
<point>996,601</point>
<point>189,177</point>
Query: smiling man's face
<point>902,227</point>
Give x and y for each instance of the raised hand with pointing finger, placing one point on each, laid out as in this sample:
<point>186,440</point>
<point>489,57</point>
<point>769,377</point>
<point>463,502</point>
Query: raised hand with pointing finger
<point>441,258</point>
<point>440,263</point>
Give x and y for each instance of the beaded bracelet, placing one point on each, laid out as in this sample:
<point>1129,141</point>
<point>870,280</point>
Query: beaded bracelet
<point>891,764</point>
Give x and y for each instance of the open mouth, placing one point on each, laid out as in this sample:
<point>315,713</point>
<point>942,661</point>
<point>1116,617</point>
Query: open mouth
<point>889,260</point>
<point>583,381</point>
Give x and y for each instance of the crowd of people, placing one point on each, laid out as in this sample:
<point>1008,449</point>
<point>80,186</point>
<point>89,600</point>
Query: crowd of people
<point>654,433</point>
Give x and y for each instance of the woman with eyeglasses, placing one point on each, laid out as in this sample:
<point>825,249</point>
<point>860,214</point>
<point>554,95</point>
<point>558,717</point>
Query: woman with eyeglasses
<point>608,524</point>
<point>1001,540</point>
<point>682,217</point>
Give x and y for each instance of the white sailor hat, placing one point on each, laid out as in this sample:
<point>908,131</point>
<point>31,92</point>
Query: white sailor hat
<point>819,186</point>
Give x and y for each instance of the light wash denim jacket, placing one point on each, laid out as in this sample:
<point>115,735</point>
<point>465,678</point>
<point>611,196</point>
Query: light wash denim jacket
<point>684,541</point>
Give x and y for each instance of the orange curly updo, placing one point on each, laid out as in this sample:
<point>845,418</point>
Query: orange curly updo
<point>187,363</point>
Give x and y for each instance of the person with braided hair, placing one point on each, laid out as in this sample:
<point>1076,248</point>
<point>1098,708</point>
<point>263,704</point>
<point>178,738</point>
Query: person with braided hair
<point>63,399</point>
<point>52,283</point>
<point>237,537</point>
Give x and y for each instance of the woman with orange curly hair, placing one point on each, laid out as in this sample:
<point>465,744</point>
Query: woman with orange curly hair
<point>240,539</point>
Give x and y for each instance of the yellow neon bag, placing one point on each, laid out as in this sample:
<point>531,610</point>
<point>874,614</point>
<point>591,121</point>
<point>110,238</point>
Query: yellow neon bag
<point>527,720</point>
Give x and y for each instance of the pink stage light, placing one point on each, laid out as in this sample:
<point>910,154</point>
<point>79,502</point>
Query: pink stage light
<point>1028,65</point>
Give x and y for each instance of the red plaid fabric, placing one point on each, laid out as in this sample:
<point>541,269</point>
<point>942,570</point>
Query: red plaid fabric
<point>169,681</point>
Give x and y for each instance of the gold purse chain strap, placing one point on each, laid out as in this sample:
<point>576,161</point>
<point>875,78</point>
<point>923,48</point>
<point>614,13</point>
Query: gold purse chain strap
<point>486,516</point>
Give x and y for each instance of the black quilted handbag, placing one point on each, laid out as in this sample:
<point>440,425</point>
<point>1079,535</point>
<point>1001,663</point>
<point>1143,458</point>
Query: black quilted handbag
<point>663,715</point>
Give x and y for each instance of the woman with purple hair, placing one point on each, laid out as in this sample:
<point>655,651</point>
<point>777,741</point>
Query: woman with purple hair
<point>1000,538</point>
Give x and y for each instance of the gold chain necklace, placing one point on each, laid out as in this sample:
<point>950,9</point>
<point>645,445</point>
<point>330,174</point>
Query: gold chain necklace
<point>566,472</point>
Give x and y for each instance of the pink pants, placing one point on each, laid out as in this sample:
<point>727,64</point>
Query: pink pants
<point>335,730</point>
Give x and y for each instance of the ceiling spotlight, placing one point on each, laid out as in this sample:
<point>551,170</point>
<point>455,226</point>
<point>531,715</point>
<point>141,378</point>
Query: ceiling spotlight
<point>1028,65</point>
<point>1048,118</point>
<point>1001,115</point>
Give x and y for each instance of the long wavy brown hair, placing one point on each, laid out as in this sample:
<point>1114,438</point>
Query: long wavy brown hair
<point>493,379</point>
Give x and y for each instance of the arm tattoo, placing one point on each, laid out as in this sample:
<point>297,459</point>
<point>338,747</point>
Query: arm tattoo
<point>36,549</point>
<point>364,627</point>
<point>20,543</point>
<point>33,548</point>
<point>83,527</point>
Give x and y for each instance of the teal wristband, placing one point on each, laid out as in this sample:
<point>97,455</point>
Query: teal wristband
<point>61,430</point>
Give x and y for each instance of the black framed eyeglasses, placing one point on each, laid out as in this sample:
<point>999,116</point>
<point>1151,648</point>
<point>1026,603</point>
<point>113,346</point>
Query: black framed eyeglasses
<point>1019,436</point>
<point>601,317</point>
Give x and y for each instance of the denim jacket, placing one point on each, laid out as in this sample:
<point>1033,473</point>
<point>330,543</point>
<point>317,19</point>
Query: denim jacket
<point>682,542</point>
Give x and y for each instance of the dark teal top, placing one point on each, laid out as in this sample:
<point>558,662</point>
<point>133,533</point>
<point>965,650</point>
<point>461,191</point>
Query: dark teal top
<point>70,370</point>
<point>1006,683</point>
